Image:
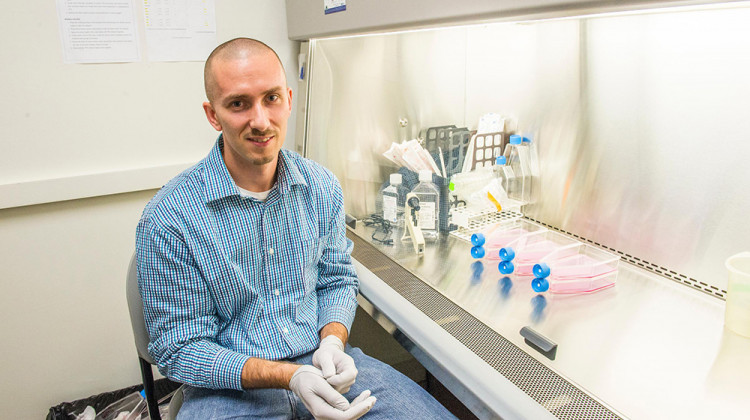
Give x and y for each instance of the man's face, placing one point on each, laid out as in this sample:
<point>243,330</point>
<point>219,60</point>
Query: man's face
<point>251,106</point>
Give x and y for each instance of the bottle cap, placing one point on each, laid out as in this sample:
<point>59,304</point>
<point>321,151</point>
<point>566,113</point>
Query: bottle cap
<point>505,267</point>
<point>477,239</point>
<point>515,139</point>
<point>425,176</point>
<point>526,140</point>
<point>506,253</point>
<point>501,160</point>
<point>477,252</point>
<point>395,179</point>
<point>540,285</point>
<point>541,270</point>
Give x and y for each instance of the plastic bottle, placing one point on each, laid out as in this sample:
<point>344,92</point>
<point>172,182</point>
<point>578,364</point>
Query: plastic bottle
<point>504,173</point>
<point>533,153</point>
<point>379,201</point>
<point>517,157</point>
<point>394,198</point>
<point>140,408</point>
<point>130,406</point>
<point>429,205</point>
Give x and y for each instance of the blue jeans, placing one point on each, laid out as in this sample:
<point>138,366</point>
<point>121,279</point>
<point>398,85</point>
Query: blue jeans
<point>398,397</point>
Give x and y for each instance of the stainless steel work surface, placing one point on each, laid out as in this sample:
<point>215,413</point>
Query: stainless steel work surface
<point>648,347</point>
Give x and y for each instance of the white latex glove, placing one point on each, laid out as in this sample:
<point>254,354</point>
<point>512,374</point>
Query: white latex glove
<point>323,401</point>
<point>337,367</point>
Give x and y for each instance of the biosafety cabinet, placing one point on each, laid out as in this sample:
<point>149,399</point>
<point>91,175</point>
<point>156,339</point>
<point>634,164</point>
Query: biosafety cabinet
<point>638,117</point>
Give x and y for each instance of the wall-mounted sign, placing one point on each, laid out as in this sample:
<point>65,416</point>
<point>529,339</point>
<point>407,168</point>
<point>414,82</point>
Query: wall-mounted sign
<point>333,6</point>
<point>98,31</point>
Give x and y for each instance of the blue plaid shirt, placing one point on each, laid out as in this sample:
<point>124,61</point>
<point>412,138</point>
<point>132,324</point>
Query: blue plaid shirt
<point>225,277</point>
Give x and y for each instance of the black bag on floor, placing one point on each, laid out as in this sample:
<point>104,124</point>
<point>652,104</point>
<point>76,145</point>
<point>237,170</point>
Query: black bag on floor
<point>66,410</point>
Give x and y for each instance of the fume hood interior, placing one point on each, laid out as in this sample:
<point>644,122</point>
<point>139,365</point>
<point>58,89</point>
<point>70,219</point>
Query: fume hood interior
<point>639,122</point>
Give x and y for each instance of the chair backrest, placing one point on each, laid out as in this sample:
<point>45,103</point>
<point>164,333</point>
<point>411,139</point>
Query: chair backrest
<point>135,305</point>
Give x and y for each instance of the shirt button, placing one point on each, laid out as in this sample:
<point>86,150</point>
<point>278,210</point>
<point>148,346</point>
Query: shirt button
<point>270,251</point>
<point>286,330</point>
<point>276,292</point>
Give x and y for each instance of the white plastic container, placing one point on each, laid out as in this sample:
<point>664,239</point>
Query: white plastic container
<point>465,184</point>
<point>394,196</point>
<point>429,205</point>
<point>492,196</point>
<point>737,314</point>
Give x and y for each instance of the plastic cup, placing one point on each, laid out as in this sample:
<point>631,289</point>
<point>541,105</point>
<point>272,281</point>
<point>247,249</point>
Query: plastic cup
<point>737,315</point>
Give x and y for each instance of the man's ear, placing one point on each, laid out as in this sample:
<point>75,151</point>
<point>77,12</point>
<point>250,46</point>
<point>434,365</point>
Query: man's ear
<point>211,116</point>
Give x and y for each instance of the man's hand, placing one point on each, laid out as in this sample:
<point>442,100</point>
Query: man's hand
<point>323,401</point>
<point>337,367</point>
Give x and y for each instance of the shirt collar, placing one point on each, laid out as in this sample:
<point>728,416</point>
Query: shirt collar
<point>289,174</point>
<point>219,183</point>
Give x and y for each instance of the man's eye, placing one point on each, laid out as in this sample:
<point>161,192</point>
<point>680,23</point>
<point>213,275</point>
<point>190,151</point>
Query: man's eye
<point>236,104</point>
<point>273,98</point>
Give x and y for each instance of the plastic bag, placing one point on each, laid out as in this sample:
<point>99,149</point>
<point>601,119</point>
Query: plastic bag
<point>131,407</point>
<point>88,414</point>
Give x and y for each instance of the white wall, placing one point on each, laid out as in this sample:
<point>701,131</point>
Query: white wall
<point>66,331</point>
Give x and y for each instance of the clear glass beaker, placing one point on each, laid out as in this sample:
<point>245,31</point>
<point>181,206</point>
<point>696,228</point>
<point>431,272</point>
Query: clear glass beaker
<point>737,315</point>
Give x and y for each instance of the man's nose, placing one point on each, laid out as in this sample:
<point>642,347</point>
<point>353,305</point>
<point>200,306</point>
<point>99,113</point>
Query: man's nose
<point>259,118</point>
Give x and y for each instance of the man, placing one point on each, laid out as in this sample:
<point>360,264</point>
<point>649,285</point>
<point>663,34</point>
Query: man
<point>245,270</point>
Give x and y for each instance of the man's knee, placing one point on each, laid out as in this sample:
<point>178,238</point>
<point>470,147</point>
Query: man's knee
<point>398,396</point>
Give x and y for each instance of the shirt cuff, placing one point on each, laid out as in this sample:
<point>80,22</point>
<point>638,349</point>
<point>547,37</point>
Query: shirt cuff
<point>341,314</point>
<point>227,371</point>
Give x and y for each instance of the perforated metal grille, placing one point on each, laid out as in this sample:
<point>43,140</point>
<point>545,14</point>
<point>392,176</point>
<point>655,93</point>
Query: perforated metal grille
<point>553,392</point>
<point>654,268</point>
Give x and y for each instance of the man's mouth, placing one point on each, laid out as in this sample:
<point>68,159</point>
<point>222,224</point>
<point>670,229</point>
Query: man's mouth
<point>255,139</point>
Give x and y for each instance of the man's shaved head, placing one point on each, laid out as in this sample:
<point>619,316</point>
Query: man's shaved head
<point>231,50</point>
